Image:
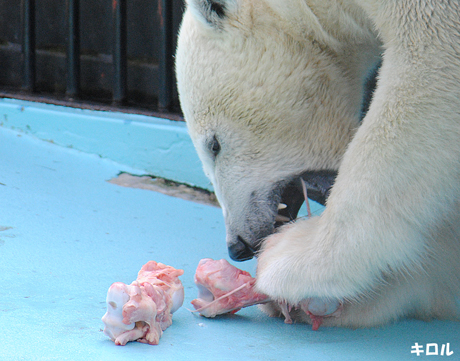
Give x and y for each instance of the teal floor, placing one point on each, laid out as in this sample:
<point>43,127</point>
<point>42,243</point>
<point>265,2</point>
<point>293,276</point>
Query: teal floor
<point>66,234</point>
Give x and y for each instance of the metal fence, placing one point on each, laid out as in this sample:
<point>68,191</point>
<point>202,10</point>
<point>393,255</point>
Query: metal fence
<point>115,52</point>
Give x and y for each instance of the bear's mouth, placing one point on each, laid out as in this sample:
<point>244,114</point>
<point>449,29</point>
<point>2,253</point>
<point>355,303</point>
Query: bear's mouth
<point>318,185</point>
<point>286,198</point>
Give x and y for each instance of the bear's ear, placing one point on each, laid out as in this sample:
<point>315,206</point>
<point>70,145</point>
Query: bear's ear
<point>212,12</point>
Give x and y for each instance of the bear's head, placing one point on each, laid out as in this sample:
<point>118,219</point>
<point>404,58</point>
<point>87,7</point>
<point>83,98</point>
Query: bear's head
<point>268,98</point>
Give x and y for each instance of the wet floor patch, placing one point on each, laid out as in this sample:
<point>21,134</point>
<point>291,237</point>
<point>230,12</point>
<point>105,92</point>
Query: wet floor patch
<point>167,187</point>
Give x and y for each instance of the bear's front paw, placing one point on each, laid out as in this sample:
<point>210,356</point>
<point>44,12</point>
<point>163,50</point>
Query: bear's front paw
<point>285,261</point>
<point>303,261</point>
<point>293,270</point>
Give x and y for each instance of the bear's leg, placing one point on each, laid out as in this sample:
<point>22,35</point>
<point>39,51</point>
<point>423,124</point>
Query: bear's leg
<point>397,190</point>
<point>429,290</point>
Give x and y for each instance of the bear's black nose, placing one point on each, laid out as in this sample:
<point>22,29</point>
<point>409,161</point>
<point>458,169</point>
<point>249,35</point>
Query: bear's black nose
<point>240,250</point>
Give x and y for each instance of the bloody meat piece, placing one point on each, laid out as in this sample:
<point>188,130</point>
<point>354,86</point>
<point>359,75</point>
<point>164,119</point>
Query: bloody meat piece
<point>143,310</point>
<point>223,288</point>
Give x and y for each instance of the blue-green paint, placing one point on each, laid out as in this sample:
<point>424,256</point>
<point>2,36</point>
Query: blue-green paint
<point>152,145</point>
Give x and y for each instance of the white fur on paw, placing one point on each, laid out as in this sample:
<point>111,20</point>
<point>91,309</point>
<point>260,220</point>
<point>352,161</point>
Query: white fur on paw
<point>281,266</point>
<point>297,263</point>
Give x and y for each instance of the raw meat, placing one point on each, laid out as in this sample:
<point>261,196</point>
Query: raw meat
<point>143,310</point>
<point>223,288</point>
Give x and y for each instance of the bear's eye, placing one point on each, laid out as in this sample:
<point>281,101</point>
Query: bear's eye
<point>219,9</point>
<point>214,146</point>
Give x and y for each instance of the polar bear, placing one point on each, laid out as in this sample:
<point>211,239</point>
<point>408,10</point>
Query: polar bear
<point>271,91</point>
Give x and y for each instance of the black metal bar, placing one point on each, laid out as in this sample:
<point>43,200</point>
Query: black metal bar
<point>28,47</point>
<point>73,48</point>
<point>119,52</point>
<point>166,61</point>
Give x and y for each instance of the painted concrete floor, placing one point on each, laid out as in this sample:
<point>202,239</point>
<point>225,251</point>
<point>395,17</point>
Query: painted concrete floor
<point>66,234</point>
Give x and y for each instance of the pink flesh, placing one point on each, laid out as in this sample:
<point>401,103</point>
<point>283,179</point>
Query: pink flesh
<point>224,288</point>
<point>151,299</point>
<point>231,288</point>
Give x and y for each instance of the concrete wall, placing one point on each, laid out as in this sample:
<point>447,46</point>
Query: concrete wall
<point>150,145</point>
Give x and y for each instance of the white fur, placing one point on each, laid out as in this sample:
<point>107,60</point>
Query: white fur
<point>279,84</point>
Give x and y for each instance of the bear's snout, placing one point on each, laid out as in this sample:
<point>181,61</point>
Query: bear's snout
<point>241,250</point>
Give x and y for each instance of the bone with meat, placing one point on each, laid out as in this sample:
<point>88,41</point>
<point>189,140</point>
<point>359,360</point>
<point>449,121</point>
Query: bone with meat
<point>143,310</point>
<point>223,288</point>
